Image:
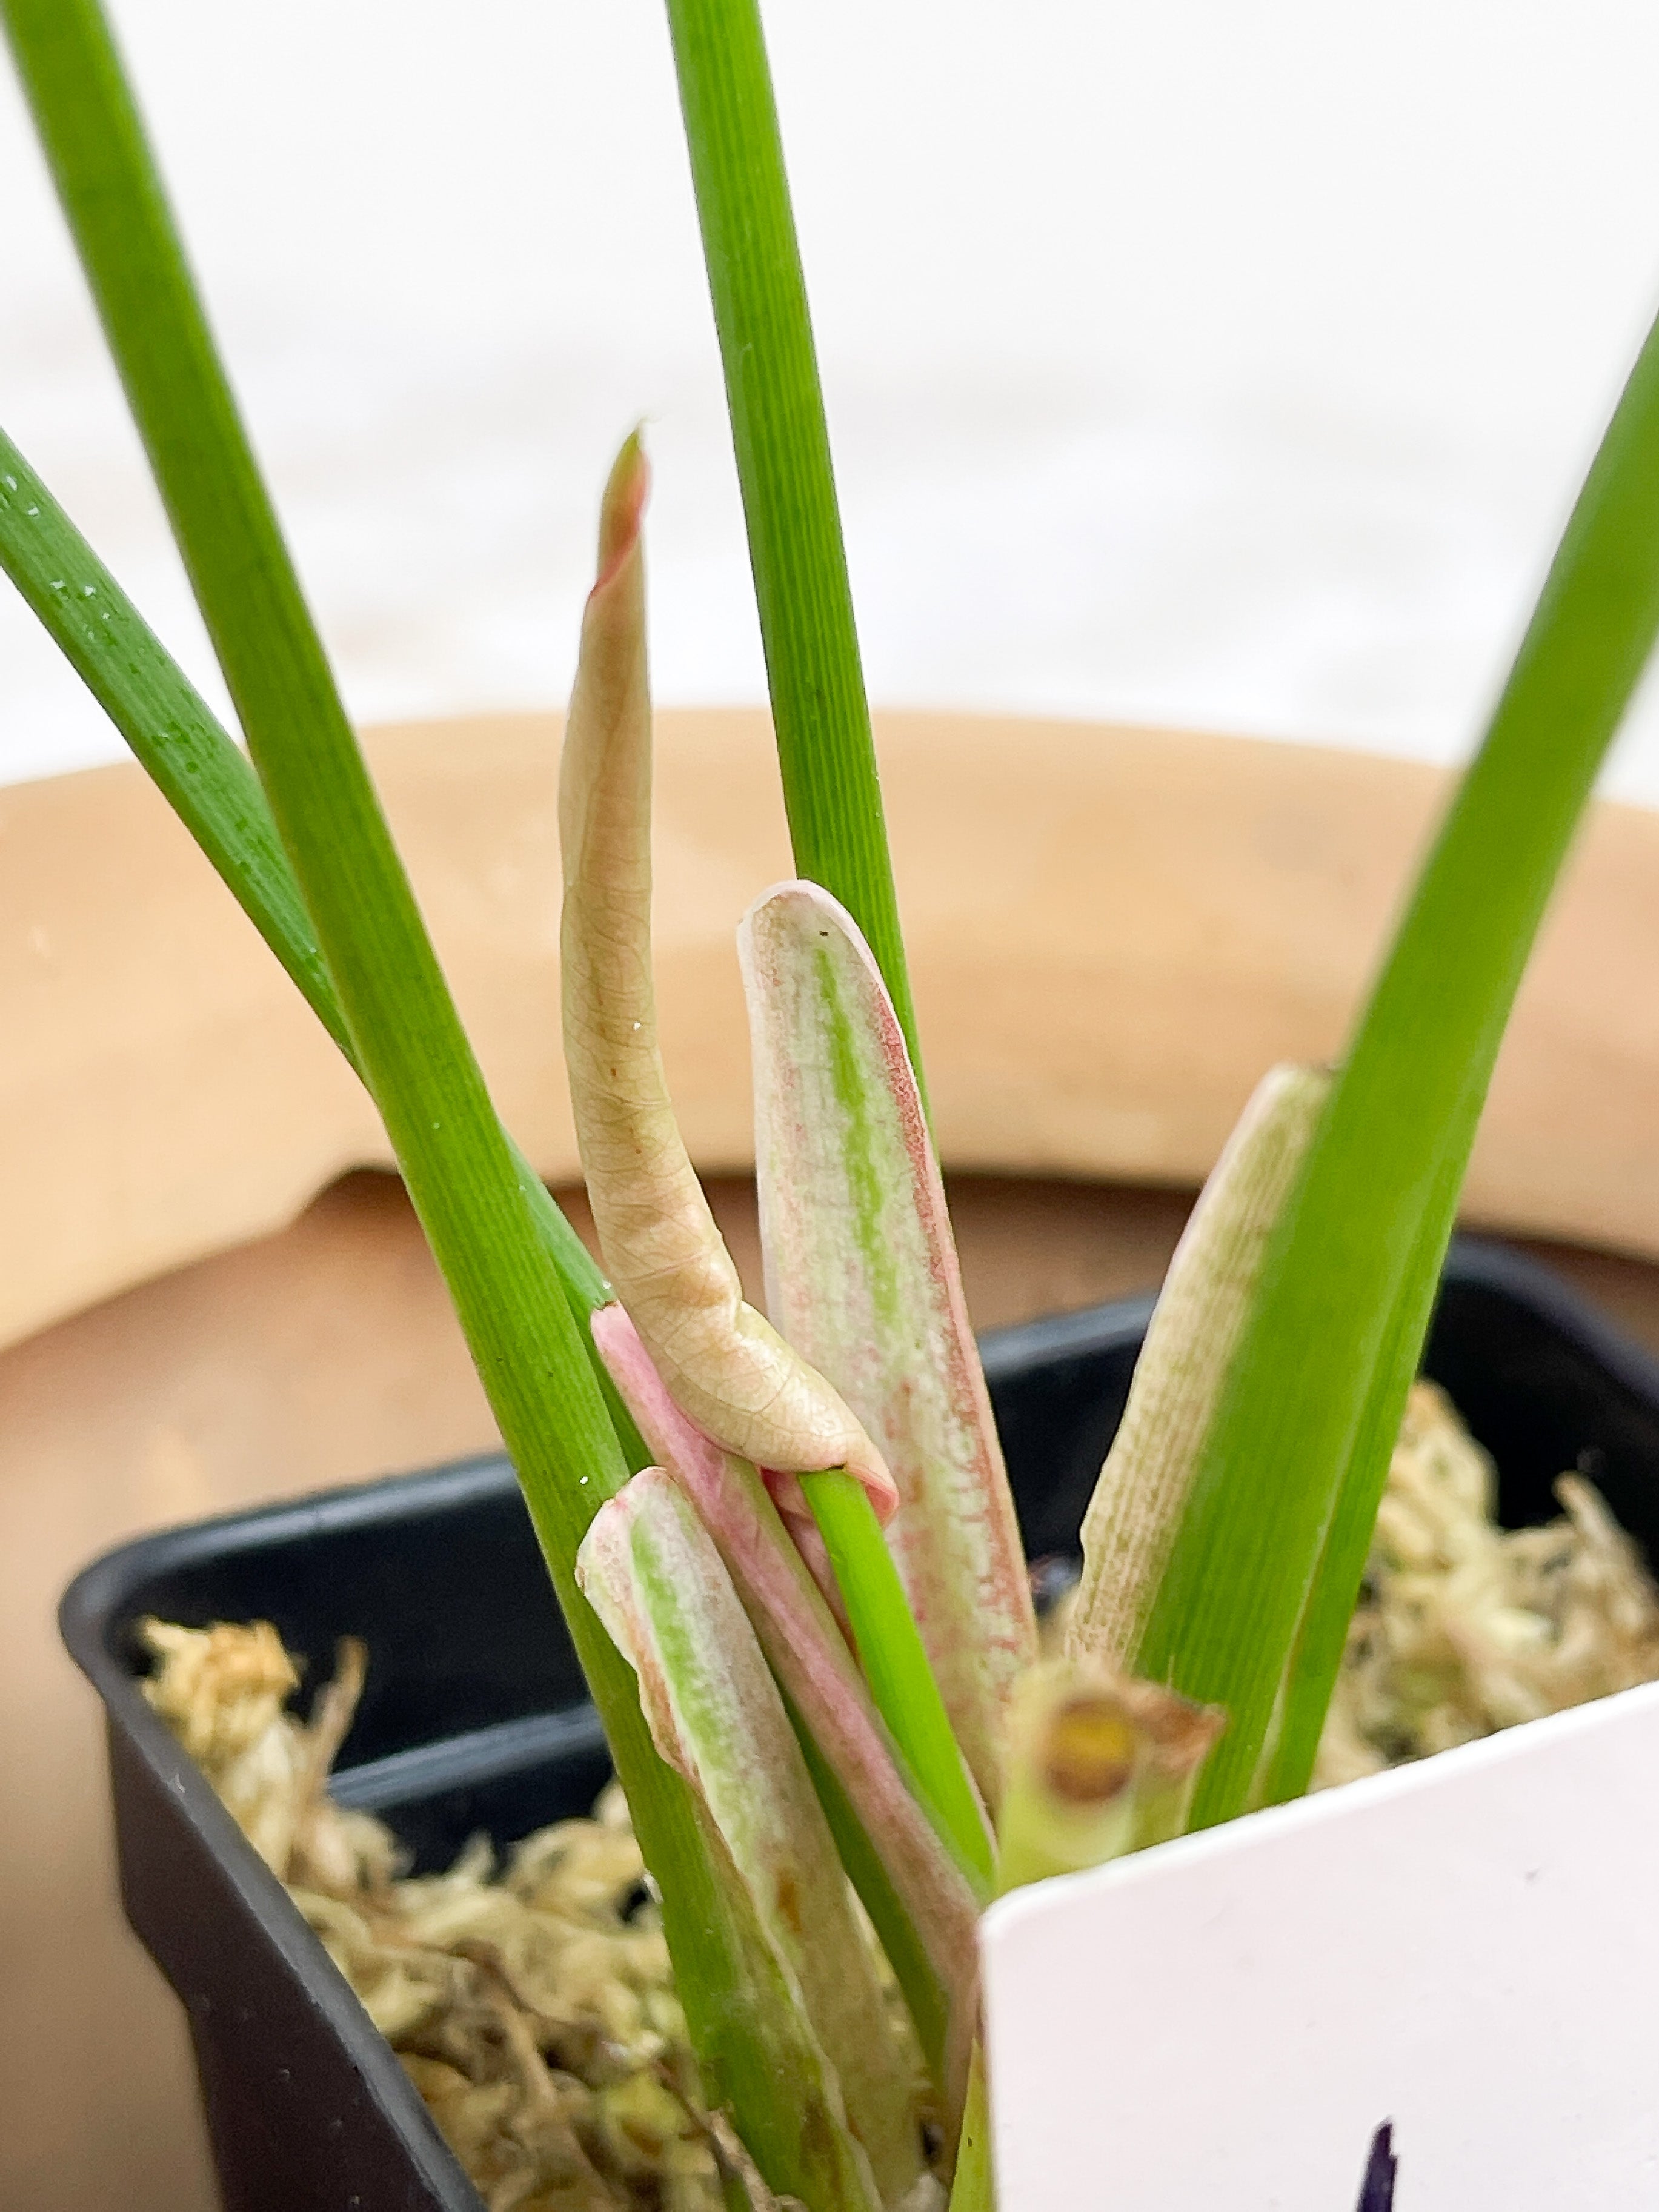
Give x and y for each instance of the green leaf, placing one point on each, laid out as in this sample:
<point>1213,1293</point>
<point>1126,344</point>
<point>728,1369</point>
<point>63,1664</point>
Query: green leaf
<point>831,786</point>
<point>484,1214</point>
<point>652,1572</point>
<point>1263,1574</point>
<point>861,1277</point>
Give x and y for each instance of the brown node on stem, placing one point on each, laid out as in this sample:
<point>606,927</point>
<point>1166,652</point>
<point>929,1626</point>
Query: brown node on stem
<point>1089,1751</point>
<point>1098,1764</point>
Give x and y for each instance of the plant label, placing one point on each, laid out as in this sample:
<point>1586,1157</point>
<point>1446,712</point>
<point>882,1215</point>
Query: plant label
<point>1435,1990</point>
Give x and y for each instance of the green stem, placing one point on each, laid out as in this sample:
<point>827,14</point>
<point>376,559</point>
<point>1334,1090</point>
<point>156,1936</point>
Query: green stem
<point>907,1954</point>
<point>477,1205</point>
<point>894,1663</point>
<point>973,2189</point>
<point>1281,1513</point>
<point>826,752</point>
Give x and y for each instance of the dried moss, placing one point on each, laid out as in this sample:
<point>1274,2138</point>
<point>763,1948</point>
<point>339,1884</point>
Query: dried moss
<point>532,2004</point>
<point>1463,1627</point>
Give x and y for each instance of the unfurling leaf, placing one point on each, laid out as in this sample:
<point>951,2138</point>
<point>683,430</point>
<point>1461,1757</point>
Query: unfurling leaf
<point>652,1572</point>
<point>1184,1367</point>
<point>723,1365</point>
<point>1097,1766</point>
<point>862,1279</point>
<point>810,1659</point>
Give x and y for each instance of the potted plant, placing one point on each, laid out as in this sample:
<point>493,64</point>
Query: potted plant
<point>785,1692</point>
<point>474,1720</point>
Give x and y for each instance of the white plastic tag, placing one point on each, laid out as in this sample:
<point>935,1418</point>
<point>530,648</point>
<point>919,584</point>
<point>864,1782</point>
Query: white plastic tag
<point>1466,1950</point>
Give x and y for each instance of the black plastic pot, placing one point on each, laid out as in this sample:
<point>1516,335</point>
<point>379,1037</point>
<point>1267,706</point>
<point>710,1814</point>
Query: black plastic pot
<point>475,1717</point>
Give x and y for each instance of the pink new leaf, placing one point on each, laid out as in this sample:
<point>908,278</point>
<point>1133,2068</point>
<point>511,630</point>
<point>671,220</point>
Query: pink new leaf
<point>723,1363</point>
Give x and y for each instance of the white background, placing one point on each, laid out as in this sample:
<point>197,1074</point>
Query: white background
<point>1227,363</point>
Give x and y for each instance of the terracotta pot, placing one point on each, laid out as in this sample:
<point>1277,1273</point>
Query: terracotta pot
<point>1102,973</point>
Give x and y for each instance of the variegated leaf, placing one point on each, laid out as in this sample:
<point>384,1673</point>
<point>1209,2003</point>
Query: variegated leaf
<point>652,1572</point>
<point>811,1658</point>
<point>1184,1363</point>
<point>862,1279</point>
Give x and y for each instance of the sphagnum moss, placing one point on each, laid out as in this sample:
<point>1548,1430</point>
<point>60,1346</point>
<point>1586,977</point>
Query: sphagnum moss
<point>529,1995</point>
